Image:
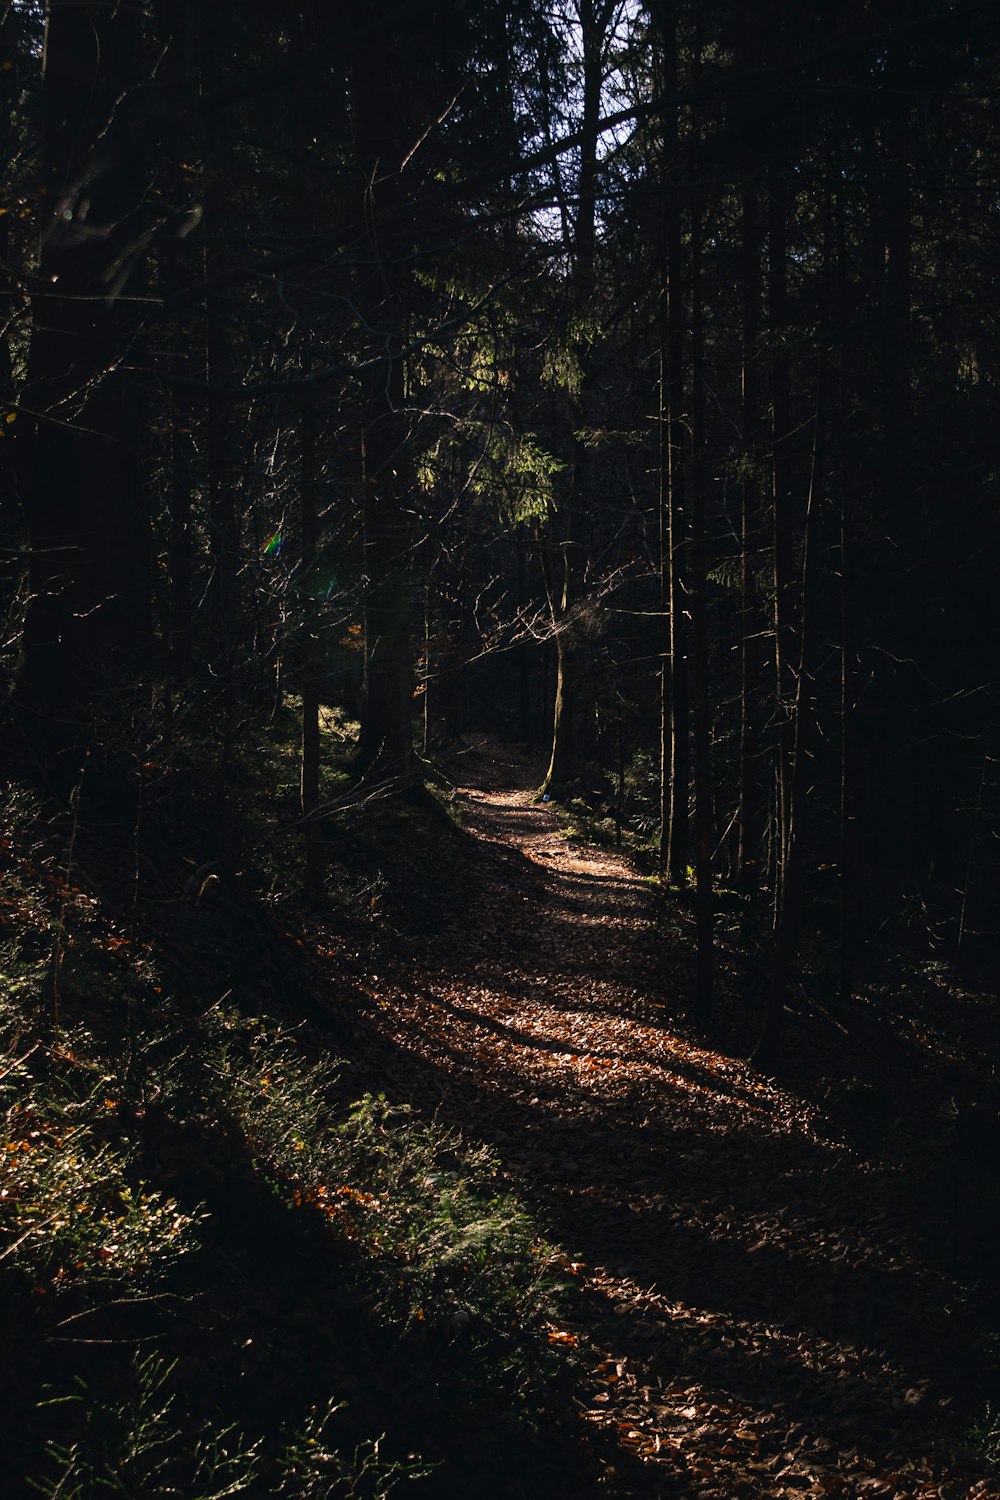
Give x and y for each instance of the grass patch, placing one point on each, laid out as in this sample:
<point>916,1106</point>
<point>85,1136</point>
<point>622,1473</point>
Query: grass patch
<point>437,1244</point>
<point>145,1442</point>
<point>169,1168</point>
<point>73,1209</point>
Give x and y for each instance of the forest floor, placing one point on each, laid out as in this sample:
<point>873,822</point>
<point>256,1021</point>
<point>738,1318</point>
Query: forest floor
<point>443,1157</point>
<point>770,1300</point>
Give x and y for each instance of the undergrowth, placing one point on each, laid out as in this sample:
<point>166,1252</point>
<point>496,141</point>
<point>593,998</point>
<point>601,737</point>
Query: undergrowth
<point>142,1444</point>
<point>437,1242</point>
<point>984,1438</point>
<point>134,1118</point>
<point>72,1209</point>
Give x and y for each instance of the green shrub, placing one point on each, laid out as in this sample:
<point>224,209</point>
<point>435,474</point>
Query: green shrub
<point>135,1447</point>
<point>71,1210</point>
<point>437,1242</point>
<point>984,1438</point>
<point>145,1445</point>
<point>311,1467</point>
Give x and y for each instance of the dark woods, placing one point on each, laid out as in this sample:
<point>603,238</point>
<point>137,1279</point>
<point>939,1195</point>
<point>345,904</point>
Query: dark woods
<point>620,378</point>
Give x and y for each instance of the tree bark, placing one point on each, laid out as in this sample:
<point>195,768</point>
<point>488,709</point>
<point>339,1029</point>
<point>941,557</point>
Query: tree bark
<point>701,723</point>
<point>571,754</point>
<point>675,753</point>
<point>224,451</point>
<point>781,517</point>
<point>803,720</point>
<point>312,827</point>
<point>850,676</point>
<point>378,95</point>
<point>752,798</point>
<point>87,644</point>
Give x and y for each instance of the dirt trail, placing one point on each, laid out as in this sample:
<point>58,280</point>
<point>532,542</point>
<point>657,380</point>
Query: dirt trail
<point>754,1317</point>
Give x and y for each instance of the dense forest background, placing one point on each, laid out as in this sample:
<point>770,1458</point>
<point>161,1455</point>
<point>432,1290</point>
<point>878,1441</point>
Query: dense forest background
<point>616,379</point>
<point>620,376</point>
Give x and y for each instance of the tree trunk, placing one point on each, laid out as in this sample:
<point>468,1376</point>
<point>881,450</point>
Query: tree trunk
<point>311,656</point>
<point>663,560</point>
<point>386,746</point>
<point>223,445</point>
<point>571,758</point>
<point>674,743</point>
<point>378,95</point>
<point>752,797</point>
<point>700,708</point>
<point>789,893</point>
<point>224,474</point>
<point>850,676</point>
<point>565,752</point>
<point>180,545</point>
<point>87,645</point>
<point>781,517</point>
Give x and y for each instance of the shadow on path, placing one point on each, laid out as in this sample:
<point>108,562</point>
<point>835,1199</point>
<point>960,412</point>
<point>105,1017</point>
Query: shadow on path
<point>753,1318</point>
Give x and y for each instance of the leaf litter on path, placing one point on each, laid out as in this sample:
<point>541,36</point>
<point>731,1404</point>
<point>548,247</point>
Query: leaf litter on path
<point>755,1318</point>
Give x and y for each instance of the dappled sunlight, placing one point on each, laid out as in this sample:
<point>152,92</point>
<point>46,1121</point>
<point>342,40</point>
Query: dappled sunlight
<point>484,1024</point>
<point>746,1287</point>
<point>682,1385</point>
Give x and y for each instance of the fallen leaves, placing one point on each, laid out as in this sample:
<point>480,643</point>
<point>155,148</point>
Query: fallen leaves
<point>745,1290</point>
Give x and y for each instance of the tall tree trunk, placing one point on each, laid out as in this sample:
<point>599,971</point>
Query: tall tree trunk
<point>894,323</point>
<point>224,474</point>
<point>88,635</point>
<point>752,797</point>
<point>663,557</point>
<point>180,546</point>
<point>675,755</point>
<point>803,723</point>
<point>10,58</point>
<point>525,655</point>
<point>572,734</point>
<point>781,515</point>
<point>700,708</point>
<point>224,449</point>
<point>426,668</point>
<point>11,259</point>
<point>311,655</point>
<point>850,676</point>
<point>567,705</point>
<point>378,94</point>
<point>177,270</point>
<point>386,746</point>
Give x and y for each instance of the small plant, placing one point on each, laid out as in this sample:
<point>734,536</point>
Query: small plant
<point>984,1438</point>
<point>462,1253</point>
<point>70,1211</point>
<point>143,1446</point>
<point>437,1243</point>
<point>313,1468</point>
<point>134,1447</point>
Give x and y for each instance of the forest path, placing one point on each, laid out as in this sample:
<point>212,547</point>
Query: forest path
<point>754,1316</point>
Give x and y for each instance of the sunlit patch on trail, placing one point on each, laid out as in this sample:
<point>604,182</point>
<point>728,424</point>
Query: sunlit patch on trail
<point>751,1317</point>
<point>668,1381</point>
<point>492,1034</point>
